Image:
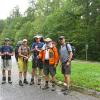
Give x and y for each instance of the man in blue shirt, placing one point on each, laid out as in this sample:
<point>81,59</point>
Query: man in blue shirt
<point>6,52</point>
<point>36,61</point>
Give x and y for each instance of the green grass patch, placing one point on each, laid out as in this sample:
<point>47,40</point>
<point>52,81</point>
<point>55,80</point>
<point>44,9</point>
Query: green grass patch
<point>84,74</point>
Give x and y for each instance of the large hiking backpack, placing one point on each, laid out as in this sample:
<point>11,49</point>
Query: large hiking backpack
<point>16,52</point>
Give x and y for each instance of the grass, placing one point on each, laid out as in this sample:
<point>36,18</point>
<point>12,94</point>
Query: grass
<point>84,74</point>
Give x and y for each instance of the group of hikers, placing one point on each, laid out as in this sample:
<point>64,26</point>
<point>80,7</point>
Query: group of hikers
<point>45,57</point>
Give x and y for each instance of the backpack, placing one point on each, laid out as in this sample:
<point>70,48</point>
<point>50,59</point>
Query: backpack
<point>73,51</point>
<point>16,52</point>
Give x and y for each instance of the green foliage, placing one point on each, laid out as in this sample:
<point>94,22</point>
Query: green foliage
<point>78,20</point>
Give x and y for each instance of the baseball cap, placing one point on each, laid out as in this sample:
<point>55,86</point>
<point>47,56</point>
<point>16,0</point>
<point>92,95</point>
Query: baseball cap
<point>7,39</point>
<point>61,37</point>
<point>37,36</point>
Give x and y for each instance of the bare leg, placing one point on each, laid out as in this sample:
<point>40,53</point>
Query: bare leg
<point>4,73</point>
<point>67,80</point>
<point>20,76</point>
<point>20,79</point>
<point>9,76</point>
<point>9,73</point>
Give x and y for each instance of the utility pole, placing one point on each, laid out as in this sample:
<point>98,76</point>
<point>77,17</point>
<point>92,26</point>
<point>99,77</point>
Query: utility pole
<point>86,49</point>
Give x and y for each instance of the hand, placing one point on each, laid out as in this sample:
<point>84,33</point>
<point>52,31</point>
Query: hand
<point>4,53</point>
<point>36,48</point>
<point>55,65</point>
<point>7,53</point>
<point>37,57</point>
<point>68,63</point>
<point>27,58</point>
<point>60,64</point>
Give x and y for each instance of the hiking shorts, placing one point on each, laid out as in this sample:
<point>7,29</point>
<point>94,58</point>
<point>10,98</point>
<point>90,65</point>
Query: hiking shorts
<point>49,69</point>
<point>22,65</point>
<point>37,63</point>
<point>6,64</point>
<point>66,70</point>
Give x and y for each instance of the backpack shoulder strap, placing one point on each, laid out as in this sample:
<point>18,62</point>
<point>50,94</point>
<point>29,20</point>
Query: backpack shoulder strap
<point>67,47</point>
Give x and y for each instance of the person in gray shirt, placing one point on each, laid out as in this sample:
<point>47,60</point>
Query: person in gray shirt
<point>65,59</point>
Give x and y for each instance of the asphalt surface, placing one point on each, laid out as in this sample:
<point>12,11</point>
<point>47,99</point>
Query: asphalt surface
<point>27,92</point>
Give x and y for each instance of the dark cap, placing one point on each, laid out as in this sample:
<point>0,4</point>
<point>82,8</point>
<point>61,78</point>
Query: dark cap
<point>7,39</point>
<point>61,37</point>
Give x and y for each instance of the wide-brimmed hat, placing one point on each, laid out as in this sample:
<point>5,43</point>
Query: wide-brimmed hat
<point>6,39</point>
<point>19,42</point>
<point>24,40</point>
<point>38,36</point>
<point>48,40</point>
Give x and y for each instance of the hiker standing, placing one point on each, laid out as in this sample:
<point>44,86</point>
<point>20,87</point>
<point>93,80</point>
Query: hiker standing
<point>36,61</point>
<point>50,61</point>
<point>65,58</point>
<point>24,54</point>
<point>6,52</point>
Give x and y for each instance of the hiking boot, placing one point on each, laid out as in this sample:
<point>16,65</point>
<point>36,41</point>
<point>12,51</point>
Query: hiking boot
<point>25,81</point>
<point>3,80</point>
<point>64,89</point>
<point>45,87</point>
<point>20,83</point>
<point>53,87</point>
<point>32,81</point>
<point>9,80</point>
<point>66,92</point>
<point>39,81</point>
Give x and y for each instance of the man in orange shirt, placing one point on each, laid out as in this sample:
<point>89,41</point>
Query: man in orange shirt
<point>50,60</point>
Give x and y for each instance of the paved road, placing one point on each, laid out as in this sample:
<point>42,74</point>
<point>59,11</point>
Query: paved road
<point>15,92</point>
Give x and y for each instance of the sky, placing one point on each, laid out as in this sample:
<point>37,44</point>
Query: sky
<point>7,5</point>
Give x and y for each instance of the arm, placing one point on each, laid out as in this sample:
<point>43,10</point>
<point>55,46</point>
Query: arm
<point>1,52</point>
<point>33,47</point>
<point>70,54</point>
<point>29,54</point>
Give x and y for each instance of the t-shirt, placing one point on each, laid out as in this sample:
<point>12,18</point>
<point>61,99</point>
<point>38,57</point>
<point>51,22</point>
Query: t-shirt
<point>39,46</point>
<point>25,50</point>
<point>5,49</point>
<point>47,54</point>
<point>64,52</point>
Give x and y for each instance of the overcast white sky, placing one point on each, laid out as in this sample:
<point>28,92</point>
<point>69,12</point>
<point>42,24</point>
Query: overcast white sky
<point>7,5</point>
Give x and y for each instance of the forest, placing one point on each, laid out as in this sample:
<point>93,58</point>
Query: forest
<point>77,20</point>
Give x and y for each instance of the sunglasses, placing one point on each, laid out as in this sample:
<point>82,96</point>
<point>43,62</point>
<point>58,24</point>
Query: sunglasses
<point>61,39</point>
